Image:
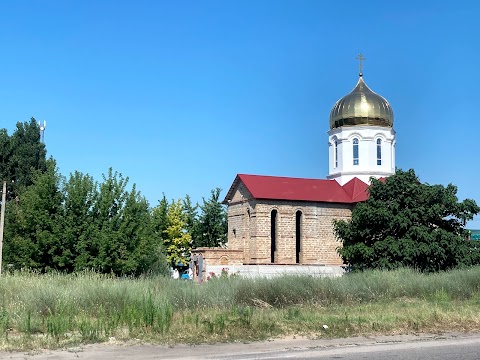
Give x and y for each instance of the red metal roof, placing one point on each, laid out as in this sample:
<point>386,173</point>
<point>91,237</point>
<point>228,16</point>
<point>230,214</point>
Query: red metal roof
<point>299,189</point>
<point>356,189</point>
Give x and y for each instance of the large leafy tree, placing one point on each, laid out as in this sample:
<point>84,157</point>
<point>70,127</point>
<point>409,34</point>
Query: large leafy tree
<point>177,239</point>
<point>20,156</point>
<point>140,250</point>
<point>160,219</point>
<point>33,223</point>
<point>120,238</point>
<point>79,227</point>
<point>407,223</point>
<point>212,223</point>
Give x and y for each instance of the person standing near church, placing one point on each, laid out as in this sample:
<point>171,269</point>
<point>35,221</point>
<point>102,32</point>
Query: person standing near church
<point>176,274</point>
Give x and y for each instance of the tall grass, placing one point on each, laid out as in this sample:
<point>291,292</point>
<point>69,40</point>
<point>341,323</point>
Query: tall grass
<point>58,310</point>
<point>358,288</point>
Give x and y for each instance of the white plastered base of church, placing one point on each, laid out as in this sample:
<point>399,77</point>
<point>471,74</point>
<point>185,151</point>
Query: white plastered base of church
<point>271,271</point>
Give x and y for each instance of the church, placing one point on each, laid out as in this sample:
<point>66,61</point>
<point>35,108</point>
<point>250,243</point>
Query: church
<point>279,222</point>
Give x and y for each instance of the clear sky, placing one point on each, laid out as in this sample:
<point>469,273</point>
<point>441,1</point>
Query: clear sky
<point>180,96</point>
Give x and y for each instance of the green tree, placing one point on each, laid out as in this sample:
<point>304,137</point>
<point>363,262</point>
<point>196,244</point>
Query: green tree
<point>407,223</point>
<point>120,238</point>
<point>177,240</point>
<point>5,154</point>
<point>33,224</point>
<point>140,250</point>
<point>160,218</point>
<point>99,249</point>
<point>79,228</point>
<point>20,155</point>
<point>212,222</point>
<point>191,217</point>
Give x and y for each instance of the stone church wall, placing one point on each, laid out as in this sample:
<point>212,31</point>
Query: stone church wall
<point>249,229</point>
<point>240,222</point>
<point>219,256</point>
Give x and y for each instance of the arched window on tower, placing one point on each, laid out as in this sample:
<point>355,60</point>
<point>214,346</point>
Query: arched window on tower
<point>379,151</point>
<point>335,153</point>
<point>355,151</point>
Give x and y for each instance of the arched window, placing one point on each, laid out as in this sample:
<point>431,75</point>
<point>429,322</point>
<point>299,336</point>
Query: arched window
<point>273,235</point>
<point>379,151</point>
<point>298,235</point>
<point>355,151</point>
<point>335,153</point>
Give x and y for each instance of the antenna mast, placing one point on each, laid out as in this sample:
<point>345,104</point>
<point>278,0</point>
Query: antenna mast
<point>42,131</point>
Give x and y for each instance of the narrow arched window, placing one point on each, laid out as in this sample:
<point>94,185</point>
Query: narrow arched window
<point>336,153</point>
<point>355,151</point>
<point>379,151</point>
<point>298,235</point>
<point>273,235</point>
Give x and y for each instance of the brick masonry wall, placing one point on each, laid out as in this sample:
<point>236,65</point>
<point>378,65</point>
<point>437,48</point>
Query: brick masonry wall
<point>219,256</point>
<point>249,229</point>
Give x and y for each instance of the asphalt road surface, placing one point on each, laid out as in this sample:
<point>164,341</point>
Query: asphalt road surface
<point>411,347</point>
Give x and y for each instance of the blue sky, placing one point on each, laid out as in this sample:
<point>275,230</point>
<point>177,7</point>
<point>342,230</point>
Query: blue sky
<point>180,96</point>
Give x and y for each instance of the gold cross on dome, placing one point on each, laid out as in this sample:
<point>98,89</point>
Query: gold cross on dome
<point>360,58</point>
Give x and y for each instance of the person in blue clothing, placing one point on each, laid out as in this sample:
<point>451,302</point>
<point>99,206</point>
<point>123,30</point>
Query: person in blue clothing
<point>187,274</point>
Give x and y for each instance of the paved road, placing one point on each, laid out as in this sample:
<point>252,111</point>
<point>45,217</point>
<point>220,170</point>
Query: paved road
<point>421,347</point>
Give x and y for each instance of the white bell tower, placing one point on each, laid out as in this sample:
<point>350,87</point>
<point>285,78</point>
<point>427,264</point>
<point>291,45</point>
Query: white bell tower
<point>361,139</point>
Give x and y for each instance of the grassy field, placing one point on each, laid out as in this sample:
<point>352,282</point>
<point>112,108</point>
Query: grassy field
<point>54,310</point>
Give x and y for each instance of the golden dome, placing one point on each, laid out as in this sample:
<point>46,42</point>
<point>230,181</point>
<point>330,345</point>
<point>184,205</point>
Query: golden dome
<point>361,107</point>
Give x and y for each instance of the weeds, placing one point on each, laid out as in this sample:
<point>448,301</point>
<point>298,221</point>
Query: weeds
<point>4,321</point>
<point>53,310</point>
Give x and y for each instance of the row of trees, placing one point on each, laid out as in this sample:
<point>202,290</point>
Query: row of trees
<point>76,223</point>
<point>183,226</point>
<point>55,223</point>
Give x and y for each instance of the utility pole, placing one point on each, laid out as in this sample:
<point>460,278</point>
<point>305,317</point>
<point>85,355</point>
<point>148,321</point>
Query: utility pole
<point>2,220</point>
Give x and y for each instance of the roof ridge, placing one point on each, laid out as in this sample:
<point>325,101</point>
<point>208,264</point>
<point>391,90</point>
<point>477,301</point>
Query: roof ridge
<point>295,189</point>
